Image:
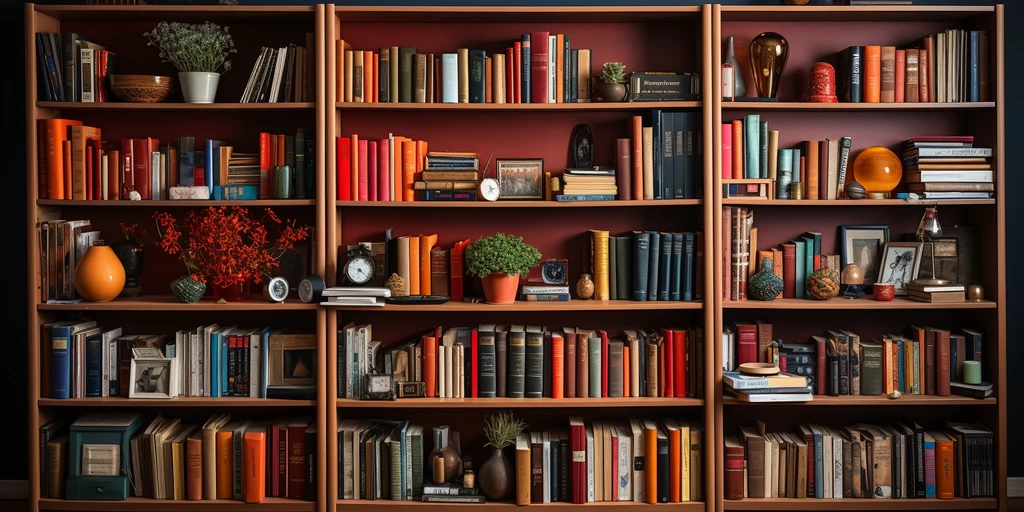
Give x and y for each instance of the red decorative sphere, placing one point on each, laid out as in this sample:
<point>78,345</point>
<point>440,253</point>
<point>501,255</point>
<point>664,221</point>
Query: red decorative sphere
<point>822,84</point>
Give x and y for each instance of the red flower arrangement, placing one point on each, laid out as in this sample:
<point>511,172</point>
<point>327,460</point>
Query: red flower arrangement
<point>224,245</point>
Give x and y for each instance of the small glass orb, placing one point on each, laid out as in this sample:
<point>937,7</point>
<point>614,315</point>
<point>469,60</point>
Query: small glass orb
<point>879,170</point>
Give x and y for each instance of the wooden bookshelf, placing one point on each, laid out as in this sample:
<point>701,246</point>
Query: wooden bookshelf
<point>850,203</point>
<point>192,203</point>
<point>851,107</point>
<point>871,401</point>
<point>520,403</point>
<point>398,506</point>
<point>176,402</point>
<point>137,504</point>
<point>527,306</point>
<point>185,107</point>
<point>542,107</point>
<point>771,504</point>
<point>865,302</point>
<point>171,303</point>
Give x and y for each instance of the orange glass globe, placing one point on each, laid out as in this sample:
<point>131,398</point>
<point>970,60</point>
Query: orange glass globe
<point>879,170</point>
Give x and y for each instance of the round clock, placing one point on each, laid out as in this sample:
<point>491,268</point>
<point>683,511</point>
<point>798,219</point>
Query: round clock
<point>276,290</point>
<point>360,268</point>
<point>311,288</point>
<point>554,272</point>
<point>489,189</point>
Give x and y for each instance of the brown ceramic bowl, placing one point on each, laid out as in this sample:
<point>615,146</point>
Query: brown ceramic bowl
<point>141,88</point>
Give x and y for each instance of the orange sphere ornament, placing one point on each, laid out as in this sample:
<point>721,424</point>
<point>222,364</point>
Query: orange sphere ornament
<point>99,276</point>
<point>879,170</point>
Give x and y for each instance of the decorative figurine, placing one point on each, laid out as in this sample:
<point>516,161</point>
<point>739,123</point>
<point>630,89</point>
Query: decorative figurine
<point>822,84</point>
<point>851,282</point>
<point>396,284</point>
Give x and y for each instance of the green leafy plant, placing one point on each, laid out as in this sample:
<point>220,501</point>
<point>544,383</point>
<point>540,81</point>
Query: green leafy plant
<point>193,47</point>
<point>502,429</point>
<point>500,253</point>
<point>613,73</point>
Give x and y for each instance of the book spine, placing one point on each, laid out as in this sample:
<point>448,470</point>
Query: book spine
<point>516,387</point>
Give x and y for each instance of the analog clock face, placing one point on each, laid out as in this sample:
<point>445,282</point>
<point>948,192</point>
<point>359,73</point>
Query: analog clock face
<point>554,273</point>
<point>489,189</point>
<point>278,288</point>
<point>359,269</point>
<point>310,288</point>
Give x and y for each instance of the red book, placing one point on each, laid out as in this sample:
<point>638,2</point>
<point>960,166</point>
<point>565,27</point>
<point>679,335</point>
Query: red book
<point>929,361</point>
<point>90,178</point>
<point>510,71</point>
<point>923,78</point>
<point>384,170</point>
<point>623,175</point>
<point>430,365</point>
<point>538,67</point>
<point>819,355</point>
<point>266,184</point>
<point>371,170</point>
<point>679,352</point>
<point>942,354</point>
<point>901,75</point>
<point>362,192</point>
<point>557,366</point>
<point>615,468</point>
<point>281,454</point>
<point>789,271</point>
<point>97,169</point>
<point>344,160</point>
<point>297,458</point>
<point>456,267</point>
<point>517,58</point>
<point>569,360</point>
<point>746,342</point>
<point>727,151</point>
<point>604,362</point>
<point>142,165</point>
<point>578,458</point>
<point>669,367</point>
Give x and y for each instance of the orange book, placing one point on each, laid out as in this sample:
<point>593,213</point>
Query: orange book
<point>408,169</point>
<point>488,82</point>
<point>872,73</point>
<point>638,155</point>
<point>254,465</point>
<point>427,243</point>
<point>675,440</point>
<point>66,151</point>
<point>737,149</point>
<point>421,158</point>
<point>194,466</point>
<point>368,76</point>
<point>430,365</point>
<point>558,365</point>
<point>944,472</point>
<point>626,390</point>
<point>560,74</point>
<point>225,451</point>
<point>52,134</point>
<point>354,165</point>
<point>80,135</point>
<point>651,470</point>
<point>414,265</point>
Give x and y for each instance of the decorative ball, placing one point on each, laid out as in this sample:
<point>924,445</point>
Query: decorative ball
<point>134,196</point>
<point>879,170</point>
<point>852,274</point>
<point>823,284</point>
<point>895,395</point>
<point>396,284</point>
<point>854,190</point>
<point>975,293</point>
<point>822,82</point>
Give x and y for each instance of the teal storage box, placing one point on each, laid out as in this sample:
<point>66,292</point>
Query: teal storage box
<point>106,429</point>
<point>97,488</point>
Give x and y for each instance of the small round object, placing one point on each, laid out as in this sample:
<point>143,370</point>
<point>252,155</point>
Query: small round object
<point>895,395</point>
<point>823,284</point>
<point>311,288</point>
<point>879,170</point>
<point>489,189</point>
<point>585,287</point>
<point>822,79</point>
<point>359,269</point>
<point>852,274</point>
<point>855,190</point>
<point>975,292</point>
<point>276,289</point>
<point>759,369</point>
<point>396,284</point>
<point>883,291</point>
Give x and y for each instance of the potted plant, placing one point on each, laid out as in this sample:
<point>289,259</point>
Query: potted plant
<point>498,261</point>
<point>199,51</point>
<point>496,474</point>
<point>613,86</point>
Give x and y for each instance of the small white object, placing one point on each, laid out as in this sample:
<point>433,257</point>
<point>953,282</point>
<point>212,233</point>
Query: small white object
<point>728,82</point>
<point>489,189</point>
<point>101,459</point>
<point>895,394</point>
<point>134,196</point>
<point>198,87</point>
<point>181,192</point>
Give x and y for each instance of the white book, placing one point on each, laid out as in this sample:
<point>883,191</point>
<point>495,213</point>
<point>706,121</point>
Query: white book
<point>449,78</point>
<point>352,291</point>
<point>827,468</point>
<point>441,377</point>
<point>552,48</point>
<point>109,364</point>
<point>637,432</point>
<point>546,469</point>
<point>837,463</point>
<point>87,74</point>
<point>449,380</point>
<point>590,464</point>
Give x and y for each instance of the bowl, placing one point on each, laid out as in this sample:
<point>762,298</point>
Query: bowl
<point>141,88</point>
<point>884,291</point>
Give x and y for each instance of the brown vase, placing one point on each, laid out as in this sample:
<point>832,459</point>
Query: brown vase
<point>585,287</point>
<point>443,461</point>
<point>495,476</point>
<point>99,276</point>
<point>610,93</point>
<point>500,288</point>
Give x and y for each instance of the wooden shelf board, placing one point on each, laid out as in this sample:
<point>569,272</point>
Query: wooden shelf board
<point>861,401</point>
<point>180,401</point>
<point>787,504</point>
<point>545,107</point>
<point>172,204</point>
<point>235,13</point>
<point>908,13</point>
<point>505,14</point>
<point>516,204</point>
<point>519,403</point>
<point>850,203</point>
<point>149,505</point>
<point>389,506</point>
<point>852,107</point>
<point>867,302</point>
<point>188,107</point>
<point>171,303</point>
<point>571,305</point>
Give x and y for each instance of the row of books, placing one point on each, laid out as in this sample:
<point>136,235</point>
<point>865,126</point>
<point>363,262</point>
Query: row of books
<point>750,150</point>
<point>947,167</point>
<point>62,243</point>
<point>72,68</point>
<point>541,67</point>
<point>898,460</point>
<point>75,162</point>
<point>528,361</point>
<point>281,75</point>
<point>647,265</point>
<point>169,458</point>
<point>949,66</point>
<point>663,158</point>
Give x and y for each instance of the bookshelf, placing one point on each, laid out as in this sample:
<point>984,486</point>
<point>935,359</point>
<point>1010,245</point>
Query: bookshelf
<point>815,33</point>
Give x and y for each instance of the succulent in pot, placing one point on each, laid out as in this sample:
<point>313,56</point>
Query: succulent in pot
<point>499,261</point>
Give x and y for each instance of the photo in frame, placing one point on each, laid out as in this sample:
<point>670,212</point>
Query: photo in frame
<point>291,358</point>
<point>862,245</point>
<point>151,375</point>
<point>900,264</point>
<point>520,178</point>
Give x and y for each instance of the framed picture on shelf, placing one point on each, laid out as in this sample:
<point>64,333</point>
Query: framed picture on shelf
<point>521,178</point>
<point>151,375</point>
<point>899,264</point>
<point>862,246</point>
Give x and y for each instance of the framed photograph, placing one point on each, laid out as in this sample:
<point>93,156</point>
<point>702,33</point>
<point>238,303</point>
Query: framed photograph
<point>151,375</point>
<point>521,178</point>
<point>292,359</point>
<point>862,246</point>
<point>900,263</point>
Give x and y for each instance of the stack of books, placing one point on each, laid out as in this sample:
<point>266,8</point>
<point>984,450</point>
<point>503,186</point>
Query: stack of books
<point>783,387</point>
<point>589,184</point>
<point>951,292</point>
<point>947,167</point>
<point>449,176</point>
<point>354,296</point>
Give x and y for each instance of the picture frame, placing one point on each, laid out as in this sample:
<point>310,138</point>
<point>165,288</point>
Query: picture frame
<point>520,178</point>
<point>291,359</point>
<point>151,375</point>
<point>863,246</point>
<point>900,263</point>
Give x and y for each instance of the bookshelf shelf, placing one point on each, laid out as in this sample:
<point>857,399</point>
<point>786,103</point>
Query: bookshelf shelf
<point>813,13</point>
<point>521,204</point>
<point>849,203</point>
<point>184,13</point>
<point>572,305</point>
<point>395,506</point>
<point>185,107</point>
<point>255,203</point>
<point>515,107</point>
<point>866,302</point>
<point>768,504</point>
<point>873,401</point>
<point>852,107</point>
<point>180,401</point>
<point>140,504</point>
<point>508,14</point>
<point>171,303</point>
<point>514,403</point>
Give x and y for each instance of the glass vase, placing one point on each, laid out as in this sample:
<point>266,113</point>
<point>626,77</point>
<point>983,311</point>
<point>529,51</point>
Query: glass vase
<point>236,292</point>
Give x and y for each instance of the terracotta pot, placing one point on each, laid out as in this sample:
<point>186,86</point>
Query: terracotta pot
<point>610,93</point>
<point>495,476</point>
<point>500,288</point>
<point>99,276</point>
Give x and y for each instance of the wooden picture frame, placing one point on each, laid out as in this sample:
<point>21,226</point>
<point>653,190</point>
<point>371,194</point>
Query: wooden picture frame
<point>864,246</point>
<point>520,178</point>
<point>150,375</point>
<point>288,353</point>
<point>900,264</point>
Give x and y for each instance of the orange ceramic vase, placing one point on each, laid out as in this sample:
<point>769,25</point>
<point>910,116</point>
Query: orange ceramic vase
<point>99,276</point>
<point>500,288</point>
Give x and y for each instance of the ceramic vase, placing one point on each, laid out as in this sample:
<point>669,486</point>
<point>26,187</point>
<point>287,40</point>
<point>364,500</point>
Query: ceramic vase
<point>131,256</point>
<point>495,476</point>
<point>188,290</point>
<point>610,93</point>
<point>283,182</point>
<point>764,285</point>
<point>500,288</point>
<point>443,460</point>
<point>99,276</point>
<point>739,87</point>
<point>198,87</point>
<point>768,54</point>
<point>585,287</point>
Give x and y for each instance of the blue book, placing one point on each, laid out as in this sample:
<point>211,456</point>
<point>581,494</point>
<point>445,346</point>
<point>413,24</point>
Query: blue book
<point>800,267</point>
<point>215,358</point>
<point>689,266</point>
<point>819,463</point>
<point>657,144</point>
<point>641,258</point>
<point>808,255</point>
<point>751,146</point>
<point>94,364</point>
<point>524,75</point>
<point>901,371</point>
<point>211,171</point>
<point>796,166</point>
<point>665,264</point>
<point>61,340</point>
<point>929,460</point>
<point>652,266</point>
<point>974,75</point>
<point>676,264</point>
<point>784,174</point>
<point>237,192</point>
<point>682,171</point>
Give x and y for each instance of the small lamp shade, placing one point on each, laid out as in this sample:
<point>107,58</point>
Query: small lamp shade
<point>929,226</point>
<point>879,170</point>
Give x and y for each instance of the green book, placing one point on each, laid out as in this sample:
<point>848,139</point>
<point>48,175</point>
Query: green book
<point>784,174</point>
<point>405,78</point>
<point>800,268</point>
<point>763,157</point>
<point>594,370</point>
<point>752,146</point>
<point>623,266</point>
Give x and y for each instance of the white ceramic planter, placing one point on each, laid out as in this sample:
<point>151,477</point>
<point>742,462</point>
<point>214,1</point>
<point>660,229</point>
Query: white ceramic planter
<point>198,87</point>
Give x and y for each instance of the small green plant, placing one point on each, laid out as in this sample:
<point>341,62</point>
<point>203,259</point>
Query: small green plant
<point>502,429</point>
<point>500,253</point>
<point>192,47</point>
<point>613,73</point>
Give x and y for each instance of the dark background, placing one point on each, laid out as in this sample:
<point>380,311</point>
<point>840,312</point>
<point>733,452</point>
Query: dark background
<point>13,355</point>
